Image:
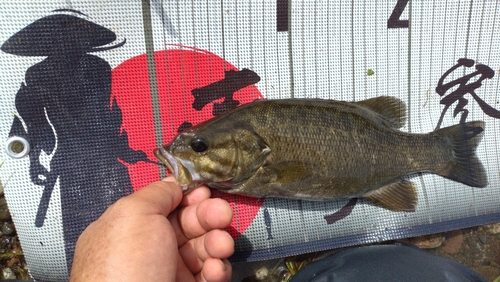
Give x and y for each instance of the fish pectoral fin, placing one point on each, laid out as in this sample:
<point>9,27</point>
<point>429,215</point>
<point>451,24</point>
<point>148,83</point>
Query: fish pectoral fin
<point>286,172</point>
<point>397,196</point>
<point>391,109</point>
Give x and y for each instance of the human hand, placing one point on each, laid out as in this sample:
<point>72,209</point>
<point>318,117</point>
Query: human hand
<point>145,237</point>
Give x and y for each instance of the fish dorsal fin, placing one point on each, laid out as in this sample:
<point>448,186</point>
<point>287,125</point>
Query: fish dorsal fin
<point>391,109</point>
<point>397,196</point>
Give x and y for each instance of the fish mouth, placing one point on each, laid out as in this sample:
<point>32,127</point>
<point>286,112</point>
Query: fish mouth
<point>165,157</point>
<point>183,170</point>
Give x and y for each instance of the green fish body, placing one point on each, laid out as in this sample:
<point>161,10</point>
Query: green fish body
<point>316,149</point>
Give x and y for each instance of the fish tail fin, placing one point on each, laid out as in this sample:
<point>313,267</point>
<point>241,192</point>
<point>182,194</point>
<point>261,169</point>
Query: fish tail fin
<point>465,167</point>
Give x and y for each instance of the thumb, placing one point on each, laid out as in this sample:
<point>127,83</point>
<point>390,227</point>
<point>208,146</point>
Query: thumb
<point>160,197</point>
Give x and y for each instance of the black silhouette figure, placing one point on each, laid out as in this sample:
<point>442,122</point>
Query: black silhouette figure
<point>464,87</point>
<point>65,104</point>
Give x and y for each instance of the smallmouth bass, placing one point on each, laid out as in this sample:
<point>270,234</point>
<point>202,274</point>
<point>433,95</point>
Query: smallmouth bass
<point>315,149</point>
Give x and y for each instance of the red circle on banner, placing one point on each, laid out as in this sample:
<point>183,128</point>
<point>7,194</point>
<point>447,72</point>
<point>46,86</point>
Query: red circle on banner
<point>177,71</point>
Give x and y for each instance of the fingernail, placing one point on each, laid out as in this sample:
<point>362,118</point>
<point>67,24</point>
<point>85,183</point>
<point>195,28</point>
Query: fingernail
<point>169,179</point>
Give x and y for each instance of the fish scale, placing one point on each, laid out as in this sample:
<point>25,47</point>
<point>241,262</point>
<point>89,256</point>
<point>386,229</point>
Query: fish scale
<point>314,149</point>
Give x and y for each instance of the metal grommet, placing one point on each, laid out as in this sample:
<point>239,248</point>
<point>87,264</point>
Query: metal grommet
<point>17,147</point>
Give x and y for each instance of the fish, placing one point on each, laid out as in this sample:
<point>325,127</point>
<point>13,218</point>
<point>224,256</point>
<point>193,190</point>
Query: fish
<point>317,149</point>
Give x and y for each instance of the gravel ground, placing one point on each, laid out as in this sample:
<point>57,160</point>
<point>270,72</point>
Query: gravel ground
<point>477,248</point>
<point>13,264</point>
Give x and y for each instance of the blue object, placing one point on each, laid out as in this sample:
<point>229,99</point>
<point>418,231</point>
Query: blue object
<point>386,263</point>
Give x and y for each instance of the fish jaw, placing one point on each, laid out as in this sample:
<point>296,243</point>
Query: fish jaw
<point>183,171</point>
<point>168,160</point>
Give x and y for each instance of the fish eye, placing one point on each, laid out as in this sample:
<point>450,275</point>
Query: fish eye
<point>199,145</point>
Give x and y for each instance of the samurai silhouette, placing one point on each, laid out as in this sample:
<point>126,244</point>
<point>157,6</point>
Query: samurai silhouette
<point>65,105</point>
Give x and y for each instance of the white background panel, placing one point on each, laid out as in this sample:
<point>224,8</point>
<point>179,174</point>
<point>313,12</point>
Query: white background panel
<point>326,53</point>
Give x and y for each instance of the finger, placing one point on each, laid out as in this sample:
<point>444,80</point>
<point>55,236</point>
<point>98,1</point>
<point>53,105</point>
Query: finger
<point>215,270</point>
<point>183,273</point>
<point>217,244</point>
<point>195,220</point>
<point>214,244</point>
<point>197,195</point>
<point>160,197</point>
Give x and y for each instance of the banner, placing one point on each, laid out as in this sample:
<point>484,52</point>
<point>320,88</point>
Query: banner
<point>90,88</point>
